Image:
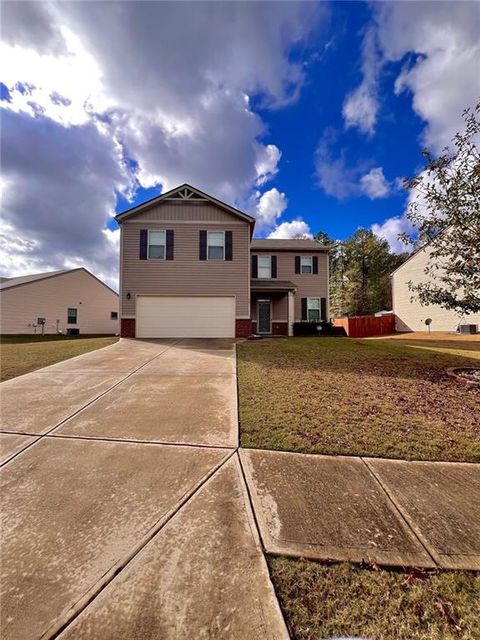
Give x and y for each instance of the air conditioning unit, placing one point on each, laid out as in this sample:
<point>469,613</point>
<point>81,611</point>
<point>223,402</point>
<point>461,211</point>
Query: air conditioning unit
<point>468,328</point>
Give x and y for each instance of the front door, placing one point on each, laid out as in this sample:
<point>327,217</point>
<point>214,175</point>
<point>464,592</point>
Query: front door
<point>264,319</point>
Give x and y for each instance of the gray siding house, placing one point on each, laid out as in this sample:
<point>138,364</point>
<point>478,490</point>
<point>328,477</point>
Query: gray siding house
<point>189,268</point>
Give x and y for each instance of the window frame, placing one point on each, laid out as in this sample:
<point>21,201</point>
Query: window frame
<point>306,273</point>
<point>222,259</point>
<point>319,309</point>
<point>113,315</point>
<point>269,258</point>
<point>69,315</point>
<point>164,245</point>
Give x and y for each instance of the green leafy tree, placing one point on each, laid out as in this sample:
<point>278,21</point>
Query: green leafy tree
<point>336,272</point>
<point>444,212</point>
<point>360,268</point>
<point>369,263</point>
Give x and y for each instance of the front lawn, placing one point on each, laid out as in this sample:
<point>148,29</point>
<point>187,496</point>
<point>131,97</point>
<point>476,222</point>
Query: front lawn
<point>340,600</point>
<point>22,354</point>
<point>385,398</point>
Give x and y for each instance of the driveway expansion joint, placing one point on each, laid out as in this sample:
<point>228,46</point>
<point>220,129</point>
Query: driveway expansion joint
<point>90,596</point>
<point>399,510</point>
<point>59,424</point>
<point>163,443</point>
<point>247,483</point>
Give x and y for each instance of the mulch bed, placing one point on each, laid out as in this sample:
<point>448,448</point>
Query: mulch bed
<point>466,375</point>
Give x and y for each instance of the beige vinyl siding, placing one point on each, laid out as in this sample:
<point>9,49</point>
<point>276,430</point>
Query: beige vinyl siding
<point>186,274</point>
<point>308,285</point>
<point>411,316</point>
<point>185,212</point>
<point>51,298</point>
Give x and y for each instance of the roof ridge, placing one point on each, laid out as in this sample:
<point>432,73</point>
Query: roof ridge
<point>168,194</point>
<point>19,281</point>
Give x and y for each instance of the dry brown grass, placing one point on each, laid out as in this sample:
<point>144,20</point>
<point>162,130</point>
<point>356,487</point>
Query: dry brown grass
<point>22,354</point>
<point>342,600</point>
<point>358,397</point>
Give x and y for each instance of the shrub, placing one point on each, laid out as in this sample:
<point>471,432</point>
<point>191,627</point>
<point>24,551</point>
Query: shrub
<point>311,329</point>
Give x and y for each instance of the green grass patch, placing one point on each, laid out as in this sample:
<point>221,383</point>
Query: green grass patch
<point>342,600</point>
<point>22,354</point>
<point>358,397</point>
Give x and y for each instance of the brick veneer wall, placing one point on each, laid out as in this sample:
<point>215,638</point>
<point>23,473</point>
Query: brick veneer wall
<point>243,328</point>
<point>127,328</point>
<point>280,328</point>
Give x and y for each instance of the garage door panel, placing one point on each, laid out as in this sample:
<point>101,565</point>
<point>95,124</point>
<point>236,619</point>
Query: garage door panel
<point>185,317</point>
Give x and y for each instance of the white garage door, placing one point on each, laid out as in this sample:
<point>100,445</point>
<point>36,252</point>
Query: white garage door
<point>185,317</point>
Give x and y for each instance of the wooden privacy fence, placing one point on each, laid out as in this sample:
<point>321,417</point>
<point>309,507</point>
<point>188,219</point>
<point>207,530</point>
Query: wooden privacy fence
<point>365,326</point>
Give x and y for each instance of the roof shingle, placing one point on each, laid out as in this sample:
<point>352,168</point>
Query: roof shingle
<point>287,245</point>
<point>13,282</point>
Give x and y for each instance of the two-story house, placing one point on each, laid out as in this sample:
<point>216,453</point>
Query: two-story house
<point>189,268</point>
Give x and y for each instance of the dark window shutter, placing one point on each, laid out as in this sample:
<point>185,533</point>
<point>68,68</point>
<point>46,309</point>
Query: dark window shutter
<point>297,264</point>
<point>254,266</point>
<point>228,245</point>
<point>203,246</point>
<point>304,309</point>
<point>323,309</point>
<point>143,244</point>
<point>169,244</point>
<point>274,266</point>
<point>315,264</point>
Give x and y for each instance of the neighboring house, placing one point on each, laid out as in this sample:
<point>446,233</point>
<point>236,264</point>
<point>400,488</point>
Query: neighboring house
<point>410,314</point>
<point>189,268</point>
<point>57,301</point>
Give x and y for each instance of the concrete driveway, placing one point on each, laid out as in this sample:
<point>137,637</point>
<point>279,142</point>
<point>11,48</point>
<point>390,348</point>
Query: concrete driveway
<point>122,493</point>
<point>126,512</point>
<point>153,391</point>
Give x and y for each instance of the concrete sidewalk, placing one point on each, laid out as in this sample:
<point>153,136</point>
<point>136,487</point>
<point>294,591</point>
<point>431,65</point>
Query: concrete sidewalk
<point>390,512</point>
<point>125,510</point>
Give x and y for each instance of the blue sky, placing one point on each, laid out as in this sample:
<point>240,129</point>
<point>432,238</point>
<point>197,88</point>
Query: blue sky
<point>395,146</point>
<point>306,115</point>
<point>333,67</point>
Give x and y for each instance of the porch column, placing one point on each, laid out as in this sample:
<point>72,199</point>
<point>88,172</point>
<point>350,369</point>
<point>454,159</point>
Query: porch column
<point>291,314</point>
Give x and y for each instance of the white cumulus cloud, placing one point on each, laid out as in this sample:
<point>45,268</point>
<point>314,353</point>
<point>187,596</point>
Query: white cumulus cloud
<point>390,229</point>
<point>374,184</point>
<point>267,163</point>
<point>442,75</point>
<point>293,229</point>
<point>360,108</point>
<point>270,206</point>
<point>342,180</point>
<point>107,97</point>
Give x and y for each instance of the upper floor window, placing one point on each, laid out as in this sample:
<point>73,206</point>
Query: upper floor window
<point>216,245</point>
<point>306,264</point>
<point>156,244</point>
<point>113,315</point>
<point>313,309</point>
<point>264,266</point>
<point>71,316</point>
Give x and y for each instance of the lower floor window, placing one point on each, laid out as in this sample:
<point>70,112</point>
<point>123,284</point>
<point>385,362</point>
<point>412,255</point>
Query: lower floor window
<point>72,316</point>
<point>113,315</point>
<point>313,309</point>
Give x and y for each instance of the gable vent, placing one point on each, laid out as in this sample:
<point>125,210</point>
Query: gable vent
<point>186,194</point>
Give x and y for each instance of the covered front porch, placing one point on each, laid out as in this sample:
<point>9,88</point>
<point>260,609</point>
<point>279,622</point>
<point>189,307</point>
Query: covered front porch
<point>272,307</point>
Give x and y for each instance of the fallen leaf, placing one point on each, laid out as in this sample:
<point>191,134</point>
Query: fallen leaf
<point>444,608</point>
